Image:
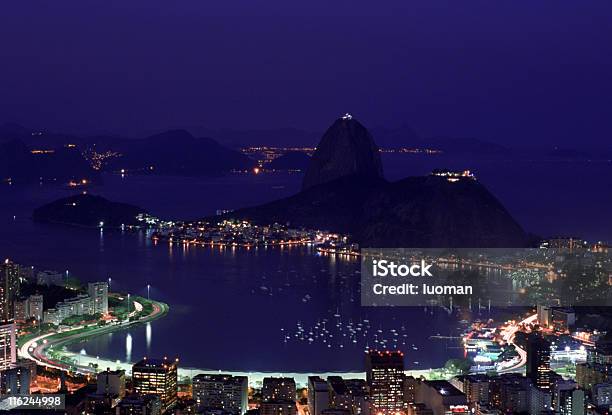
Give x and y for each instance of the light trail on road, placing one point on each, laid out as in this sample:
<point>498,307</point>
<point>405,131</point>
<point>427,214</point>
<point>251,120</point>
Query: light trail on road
<point>509,335</point>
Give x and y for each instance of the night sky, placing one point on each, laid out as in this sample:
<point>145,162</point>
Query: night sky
<point>519,72</point>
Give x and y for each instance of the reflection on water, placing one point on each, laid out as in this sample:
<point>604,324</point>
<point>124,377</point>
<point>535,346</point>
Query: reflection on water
<point>244,299</point>
<point>149,333</point>
<point>128,348</point>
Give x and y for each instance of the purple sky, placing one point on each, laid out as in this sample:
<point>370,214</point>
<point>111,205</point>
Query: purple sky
<point>504,71</point>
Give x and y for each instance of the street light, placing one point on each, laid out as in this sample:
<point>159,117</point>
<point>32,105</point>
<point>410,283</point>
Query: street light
<point>128,306</point>
<point>109,282</point>
<point>149,292</point>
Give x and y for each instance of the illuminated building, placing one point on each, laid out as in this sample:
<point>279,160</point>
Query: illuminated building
<point>51,316</point>
<point>563,319</point>
<point>100,404</point>
<point>15,381</point>
<point>278,396</point>
<point>544,316</point>
<point>514,393</point>
<point>602,352</point>
<point>318,395</point>
<point>358,390</point>
<point>98,291</point>
<point>602,394</point>
<point>9,289</point>
<point>27,308</point>
<point>495,391</point>
<point>226,392</point>
<point>35,307</point>
<point>454,176</point>
<point>140,405</point>
<point>278,389</point>
<point>80,305</point>
<point>111,383</point>
<point>476,389</point>
<point>28,364</point>
<point>8,351</point>
<point>50,278</point>
<point>385,378</point>
<point>568,399</point>
<point>590,374</point>
<point>110,389</point>
<point>570,245</point>
<point>278,407</point>
<point>538,361</point>
<point>598,368</point>
<point>21,310</point>
<point>410,384</point>
<point>339,396</point>
<point>96,301</point>
<point>157,377</point>
<point>538,400</point>
<point>482,409</point>
<point>348,394</point>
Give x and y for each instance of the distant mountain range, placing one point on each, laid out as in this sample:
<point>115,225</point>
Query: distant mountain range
<point>404,136</point>
<point>280,137</point>
<point>20,164</point>
<point>177,152</point>
<point>387,138</point>
<point>27,154</point>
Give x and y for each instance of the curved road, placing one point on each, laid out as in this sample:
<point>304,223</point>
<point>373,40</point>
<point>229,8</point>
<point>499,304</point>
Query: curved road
<point>35,349</point>
<point>509,336</point>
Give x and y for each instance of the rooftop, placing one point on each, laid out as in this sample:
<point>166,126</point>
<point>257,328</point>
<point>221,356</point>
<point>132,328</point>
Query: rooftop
<point>444,387</point>
<point>146,362</point>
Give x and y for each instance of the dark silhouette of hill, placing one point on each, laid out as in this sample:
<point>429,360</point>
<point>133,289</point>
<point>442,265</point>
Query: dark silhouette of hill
<point>87,210</point>
<point>39,139</point>
<point>387,138</point>
<point>19,164</point>
<point>177,152</point>
<point>174,152</point>
<point>281,137</point>
<point>346,149</point>
<point>341,195</point>
<point>414,212</point>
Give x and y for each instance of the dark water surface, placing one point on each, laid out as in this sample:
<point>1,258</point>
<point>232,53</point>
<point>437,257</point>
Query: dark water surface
<point>255,310</point>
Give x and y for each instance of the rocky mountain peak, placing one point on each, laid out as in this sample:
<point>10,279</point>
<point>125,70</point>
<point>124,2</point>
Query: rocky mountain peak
<point>346,149</point>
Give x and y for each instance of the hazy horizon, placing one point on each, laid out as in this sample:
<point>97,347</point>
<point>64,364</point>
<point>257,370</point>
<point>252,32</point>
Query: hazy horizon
<point>510,74</point>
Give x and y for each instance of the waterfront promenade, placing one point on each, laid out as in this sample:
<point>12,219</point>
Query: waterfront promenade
<point>47,350</point>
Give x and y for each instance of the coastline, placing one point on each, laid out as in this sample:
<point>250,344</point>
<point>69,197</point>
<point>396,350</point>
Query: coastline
<point>39,348</point>
<point>35,348</point>
<point>46,350</point>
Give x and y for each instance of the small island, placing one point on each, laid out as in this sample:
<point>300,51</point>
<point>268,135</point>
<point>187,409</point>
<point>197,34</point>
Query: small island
<point>89,211</point>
